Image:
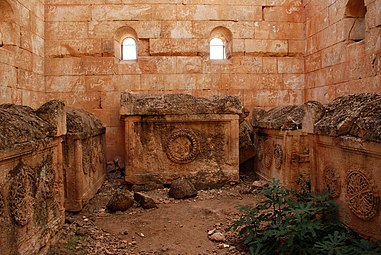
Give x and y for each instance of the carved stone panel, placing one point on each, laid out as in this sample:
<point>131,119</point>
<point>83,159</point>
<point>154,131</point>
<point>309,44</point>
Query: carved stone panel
<point>362,198</point>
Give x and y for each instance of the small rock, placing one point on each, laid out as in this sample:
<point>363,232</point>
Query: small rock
<point>259,184</point>
<point>217,237</point>
<point>144,200</point>
<point>182,188</point>
<point>210,232</point>
<point>119,202</point>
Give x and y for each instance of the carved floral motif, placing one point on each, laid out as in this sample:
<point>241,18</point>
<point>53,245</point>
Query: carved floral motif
<point>20,195</point>
<point>362,198</point>
<point>268,151</point>
<point>182,146</point>
<point>332,181</point>
<point>278,156</point>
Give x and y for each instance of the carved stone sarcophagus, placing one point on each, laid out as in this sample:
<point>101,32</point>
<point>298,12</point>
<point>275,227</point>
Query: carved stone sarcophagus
<point>178,135</point>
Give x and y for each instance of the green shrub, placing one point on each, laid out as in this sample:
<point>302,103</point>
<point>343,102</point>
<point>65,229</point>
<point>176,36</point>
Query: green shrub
<point>297,221</point>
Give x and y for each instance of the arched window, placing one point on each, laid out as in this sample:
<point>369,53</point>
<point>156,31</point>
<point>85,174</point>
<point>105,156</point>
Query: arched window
<point>129,50</point>
<point>217,49</point>
<point>220,44</point>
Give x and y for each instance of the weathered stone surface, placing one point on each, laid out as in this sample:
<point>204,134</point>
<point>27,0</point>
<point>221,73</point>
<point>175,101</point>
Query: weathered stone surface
<point>182,188</point>
<point>178,104</point>
<point>20,125</point>
<point>314,111</point>
<point>246,142</point>
<point>54,113</point>
<point>357,115</point>
<point>144,200</point>
<point>119,202</point>
<point>82,123</point>
<point>283,117</point>
<point>185,131</point>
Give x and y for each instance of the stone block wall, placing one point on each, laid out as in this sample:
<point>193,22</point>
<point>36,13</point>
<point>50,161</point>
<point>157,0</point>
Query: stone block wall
<point>22,45</point>
<point>83,65</point>
<point>343,48</point>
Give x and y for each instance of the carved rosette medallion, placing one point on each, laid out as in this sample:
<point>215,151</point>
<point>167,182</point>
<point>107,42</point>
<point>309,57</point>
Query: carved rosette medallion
<point>182,146</point>
<point>332,181</point>
<point>268,151</point>
<point>21,195</point>
<point>362,198</point>
<point>278,156</point>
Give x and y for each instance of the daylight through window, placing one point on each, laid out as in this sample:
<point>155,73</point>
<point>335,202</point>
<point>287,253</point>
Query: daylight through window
<point>129,51</point>
<point>217,49</point>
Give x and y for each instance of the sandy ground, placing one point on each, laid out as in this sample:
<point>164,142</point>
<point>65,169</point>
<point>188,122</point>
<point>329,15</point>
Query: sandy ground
<point>175,227</point>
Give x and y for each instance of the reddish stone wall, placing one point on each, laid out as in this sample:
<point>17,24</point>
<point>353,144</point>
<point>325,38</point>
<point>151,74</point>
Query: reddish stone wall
<point>82,53</point>
<point>343,48</point>
<point>22,52</point>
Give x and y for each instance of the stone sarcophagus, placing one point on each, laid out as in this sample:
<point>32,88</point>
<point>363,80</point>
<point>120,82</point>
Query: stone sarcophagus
<point>177,135</point>
<point>31,181</point>
<point>84,158</point>
<point>337,146</point>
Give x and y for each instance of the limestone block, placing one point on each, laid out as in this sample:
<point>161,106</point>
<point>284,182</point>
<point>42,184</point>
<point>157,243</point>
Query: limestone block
<point>188,65</point>
<point>67,66</point>
<point>178,29</point>
<point>293,12</point>
<point>266,47</point>
<point>66,30</point>
<point>219,12</point>
<point>270,65</point>
<point>134,12</point>
<point>241,29</point>
<point>157,64</point>
<point>178,47</point>
<point>65,84</point>
<point>29,80</point>
<point>290,65</point>
<point>279,30</point>
<point>293,81</point>
<point>74,48</point>
<point>8,76</point>
<point>296,48</point>
<point>61,13</point>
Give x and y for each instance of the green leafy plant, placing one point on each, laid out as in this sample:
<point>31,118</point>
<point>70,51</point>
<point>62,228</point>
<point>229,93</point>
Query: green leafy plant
<point>297,221</point>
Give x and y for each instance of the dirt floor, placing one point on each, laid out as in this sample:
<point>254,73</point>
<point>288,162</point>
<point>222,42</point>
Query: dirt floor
<point>175,227</point>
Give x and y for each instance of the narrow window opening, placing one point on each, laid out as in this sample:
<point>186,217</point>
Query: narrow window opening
<point>129,50</point>
<point>217,49</point>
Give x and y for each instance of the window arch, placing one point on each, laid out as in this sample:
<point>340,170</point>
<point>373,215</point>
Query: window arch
<point>129,49</point>
<point>220,44</point>
<point>126,44</point>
